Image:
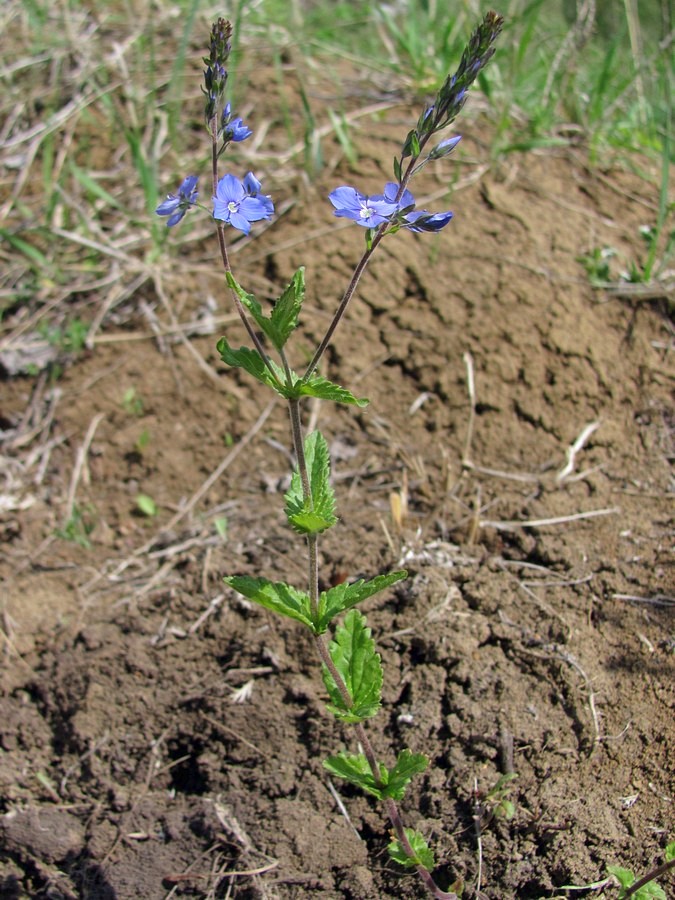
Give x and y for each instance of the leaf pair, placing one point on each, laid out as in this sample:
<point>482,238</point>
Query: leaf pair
<point>422,853</point>
<point>360,669</point>
<point>278,327</point>
<point>283,320</point>
<point>288,601</point>
<point>392,782</point>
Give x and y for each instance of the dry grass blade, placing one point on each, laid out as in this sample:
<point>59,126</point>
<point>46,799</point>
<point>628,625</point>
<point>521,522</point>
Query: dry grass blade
<point>512,524</point>
<point>80,469</point>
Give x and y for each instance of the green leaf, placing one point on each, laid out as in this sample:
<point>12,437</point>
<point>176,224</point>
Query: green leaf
<point>220,524</point>
<point>355,770</point>
<point>670,851</point>
<point>283,319</point>
<point>316,513</point>
<point>344,596</point>
<point>354,656</point>
<point>506,809</point>
<point>32,253</point>
<point>254,364</point>
<point>318,386</point>
<point>423,855</point>
<point>649,891</point>
<point>624,876</point>
<point>251,304</point>
<point>274,595</point>
<point>407,765</point>
<point>286,310</point>
<point>392,783</point>
<point>409,142</point>
<point>146,505</point>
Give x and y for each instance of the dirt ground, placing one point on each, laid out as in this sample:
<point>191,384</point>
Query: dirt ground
<point>163,738</point>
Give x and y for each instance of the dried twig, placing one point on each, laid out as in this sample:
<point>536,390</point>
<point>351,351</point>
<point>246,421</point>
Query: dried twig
<point>80,468</point>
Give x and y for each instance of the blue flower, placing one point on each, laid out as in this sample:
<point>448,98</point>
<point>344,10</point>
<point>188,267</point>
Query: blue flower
<point>373,211</point>
<point>407,216</point>
<point>252,187</point>
<point>426,221</point>
<point>238,204</point>
<point>407,201</point>
<point>367,211</point>
<point>176,205</point>
<point>234,129</point>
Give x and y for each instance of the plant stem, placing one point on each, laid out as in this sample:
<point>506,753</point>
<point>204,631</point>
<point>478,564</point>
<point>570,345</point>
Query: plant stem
<point>348,294</point>
<point>389,804</point>
<point>324,654</point>
<point>395,817</point>
<point>650,876</point>
<point>312,539</point>
<point>359,270</point>
<point>220,229</point>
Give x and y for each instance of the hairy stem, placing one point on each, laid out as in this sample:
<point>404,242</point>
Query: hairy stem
<point>650,876</point>
<point>222,244</point>
<point>359,270</point>
<point>327,660</point>
<point>312,539</point>
<point>344,303</point>
<point>389,804</point>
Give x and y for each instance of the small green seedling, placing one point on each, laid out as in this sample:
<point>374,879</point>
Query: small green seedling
<point>142,441</point>
<point>645,888</point>
<point>76,529</point>
<point>641,272</point>
<point>70,338</point>
<point>146,505</point>
<point>132,402</point>
<point>497,799</point>
<point>596,264</point>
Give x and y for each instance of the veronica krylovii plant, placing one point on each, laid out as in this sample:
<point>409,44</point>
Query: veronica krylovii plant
<point>351,667</point>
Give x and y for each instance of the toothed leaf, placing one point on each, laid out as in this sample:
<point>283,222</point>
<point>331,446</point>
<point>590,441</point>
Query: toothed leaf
<point>649,891</point>
<point>423,855</point>
<point>344,596</point>
<point>355,770</point>
<point>316,513</point>
<point>250,303</point>
<point>283,319</point>
<point>274,595</point>
<point>391,783</point>
<point>354,656</point>
<point>318,386</point>
<point>407,765</point>
<point>254,364</point>
<point>286,310</point>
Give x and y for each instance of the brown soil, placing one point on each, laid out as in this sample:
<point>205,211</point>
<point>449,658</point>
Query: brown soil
<point>159,734</point>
